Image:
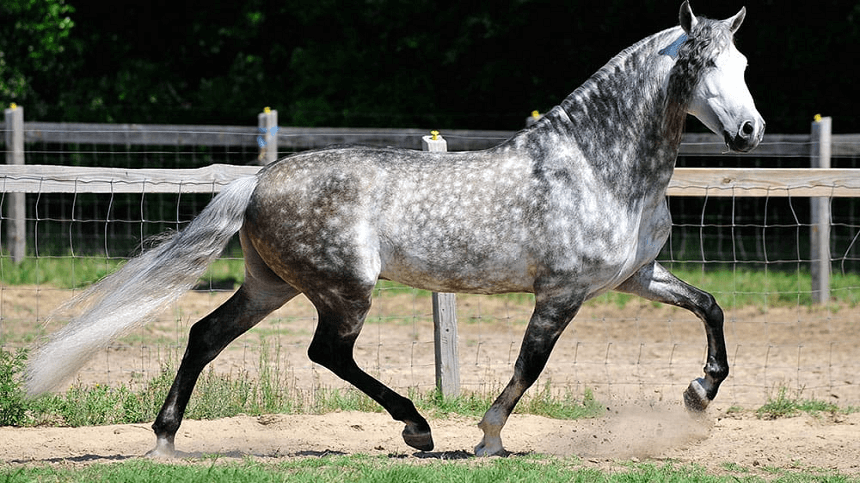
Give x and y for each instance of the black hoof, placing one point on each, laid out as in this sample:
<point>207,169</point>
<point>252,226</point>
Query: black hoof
<point>696,398</point>
<point>418,439</point>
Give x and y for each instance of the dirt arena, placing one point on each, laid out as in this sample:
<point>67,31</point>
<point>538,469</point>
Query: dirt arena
<point>637,359</point>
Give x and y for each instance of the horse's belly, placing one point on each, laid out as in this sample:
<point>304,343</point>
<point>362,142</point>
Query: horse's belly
<point>450,274</point>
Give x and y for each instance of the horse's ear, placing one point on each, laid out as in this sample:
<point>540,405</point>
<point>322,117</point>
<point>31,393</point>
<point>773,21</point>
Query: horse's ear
<point>688,20</point>
<point>737,20</point>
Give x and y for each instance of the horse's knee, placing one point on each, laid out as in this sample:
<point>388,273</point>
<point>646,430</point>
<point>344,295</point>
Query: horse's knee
<point>707,308</point>
<point>713,311</point>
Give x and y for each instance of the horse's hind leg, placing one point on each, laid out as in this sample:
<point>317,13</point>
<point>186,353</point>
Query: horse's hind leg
<point>206,340</point>
<point>341,317</point>
<point>654,282</point>
<point>262,293</point>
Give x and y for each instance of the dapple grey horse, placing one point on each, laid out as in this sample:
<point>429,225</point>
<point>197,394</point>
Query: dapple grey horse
<point>569,208</point>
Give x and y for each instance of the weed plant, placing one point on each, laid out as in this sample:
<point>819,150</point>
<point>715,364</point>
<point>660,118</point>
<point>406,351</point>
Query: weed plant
<point>784,405</point>
<point>13,407</point>
<point>225,395</point>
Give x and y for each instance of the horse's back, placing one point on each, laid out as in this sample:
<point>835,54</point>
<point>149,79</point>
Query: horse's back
<point>480,222</point>
<point>426,219</point>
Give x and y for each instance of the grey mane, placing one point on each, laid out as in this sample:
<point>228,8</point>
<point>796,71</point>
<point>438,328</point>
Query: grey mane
<point>631,113</point>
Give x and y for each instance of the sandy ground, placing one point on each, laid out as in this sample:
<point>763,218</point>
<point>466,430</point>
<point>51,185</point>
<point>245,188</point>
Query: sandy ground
<point>637,359</point>
<point>659,434</point>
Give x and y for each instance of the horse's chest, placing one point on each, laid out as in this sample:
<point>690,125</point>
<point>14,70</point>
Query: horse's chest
<point>613,242</point>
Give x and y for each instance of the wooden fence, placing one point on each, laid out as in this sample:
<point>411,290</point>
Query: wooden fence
<point>291,139</point>
<point>17,178</point>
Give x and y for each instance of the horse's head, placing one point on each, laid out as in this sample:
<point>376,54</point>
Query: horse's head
<point>719,96</point>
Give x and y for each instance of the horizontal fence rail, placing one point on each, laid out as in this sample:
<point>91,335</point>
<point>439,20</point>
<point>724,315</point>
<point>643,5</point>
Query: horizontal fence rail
<point>709,182</point>
<point>289,138</point>
<point>299,138</point>
<point>36,178</point>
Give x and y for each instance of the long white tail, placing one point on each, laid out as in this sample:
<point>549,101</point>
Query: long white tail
<point>130,296</point>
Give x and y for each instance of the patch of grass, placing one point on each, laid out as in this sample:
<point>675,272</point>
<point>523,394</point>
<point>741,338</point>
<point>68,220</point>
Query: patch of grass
<point>326,400</point>
<point>734,410</point>
<point>223,274</point>
<point>13,407</point>
<point>740,287</point>
<point>781,406</point>
<point>565,406</point>
<point>60,272</point>
<point>734,467</point>
<point>224,395</point>
<point>387,287</point>
<point>468,404</point>
<point>369,469</point>
<point>784,405</point>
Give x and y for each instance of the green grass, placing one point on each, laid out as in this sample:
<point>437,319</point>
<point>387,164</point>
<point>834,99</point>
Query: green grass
<point>742,287</point>
<point>733,287</point>
<point>60,272</point>
<point>785,405</point>
<point>13,407</point>
<point>219,395</point>
<point>373,469</point>
<point>225,395</point>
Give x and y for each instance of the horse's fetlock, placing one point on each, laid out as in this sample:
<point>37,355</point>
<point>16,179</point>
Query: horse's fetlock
<point>717,372</point>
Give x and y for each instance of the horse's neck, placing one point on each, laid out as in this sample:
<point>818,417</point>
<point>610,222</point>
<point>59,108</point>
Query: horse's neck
<point>618,118</point>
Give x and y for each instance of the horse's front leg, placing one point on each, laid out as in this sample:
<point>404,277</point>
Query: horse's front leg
<point>546,325</point>
<point>654,282</point>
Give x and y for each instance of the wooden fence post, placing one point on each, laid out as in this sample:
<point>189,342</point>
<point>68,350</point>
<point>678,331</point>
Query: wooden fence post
<point>444,316</point>
<point>16,208</point>
<point>267,139</point>
<point>820,214</point>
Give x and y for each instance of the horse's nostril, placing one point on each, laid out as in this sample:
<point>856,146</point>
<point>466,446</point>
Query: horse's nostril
<point>747,129</point>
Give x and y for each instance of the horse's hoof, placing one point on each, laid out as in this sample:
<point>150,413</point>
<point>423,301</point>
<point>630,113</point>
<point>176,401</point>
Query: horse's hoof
<point>164,449</point>
<point>418,439</point>
<point>696,398</point>
<point>160,454</point>
<point>484,449</point>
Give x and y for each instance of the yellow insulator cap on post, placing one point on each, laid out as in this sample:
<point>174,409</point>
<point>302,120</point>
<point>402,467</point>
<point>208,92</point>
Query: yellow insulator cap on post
<point>536,114</point>
<point>434,135</point>
<point>817,118</point>
<point>267,110</point>
<point>13,106</point>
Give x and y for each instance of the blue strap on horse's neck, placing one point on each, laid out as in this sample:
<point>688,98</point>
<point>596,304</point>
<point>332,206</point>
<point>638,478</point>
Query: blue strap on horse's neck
<point>672,49</point>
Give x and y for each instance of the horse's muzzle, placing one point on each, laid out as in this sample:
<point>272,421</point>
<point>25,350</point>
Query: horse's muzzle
<point>748,136</point>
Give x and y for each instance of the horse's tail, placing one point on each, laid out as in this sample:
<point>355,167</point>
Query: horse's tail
<point>130,296</point>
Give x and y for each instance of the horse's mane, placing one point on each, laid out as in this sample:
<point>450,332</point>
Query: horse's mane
<point>619,63</point>
<point>695,54</point>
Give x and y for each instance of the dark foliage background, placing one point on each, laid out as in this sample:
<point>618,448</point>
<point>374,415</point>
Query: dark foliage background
<point>393,63</point>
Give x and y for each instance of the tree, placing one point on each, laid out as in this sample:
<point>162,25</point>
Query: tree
<point>34,35</point>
